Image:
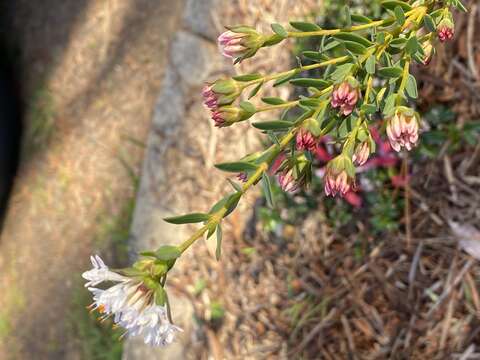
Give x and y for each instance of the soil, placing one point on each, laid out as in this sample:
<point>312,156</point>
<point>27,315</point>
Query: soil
<point>91,71</point>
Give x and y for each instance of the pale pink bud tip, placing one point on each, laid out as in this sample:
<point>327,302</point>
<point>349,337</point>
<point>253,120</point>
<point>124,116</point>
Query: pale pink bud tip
<point>445,33</point>
<point>344,97</point>
<point>361,154</point>
<point>218,118</point>
<point>305,140</point>
<point>230,44</point>
<point>287,181</point>
<point>210,98</point>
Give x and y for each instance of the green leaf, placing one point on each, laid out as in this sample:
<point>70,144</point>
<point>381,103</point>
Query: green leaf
<point>370,64</point>
<point>234,185</point>
<point>398,43</point>
<point>255,90</point>
<point>348,36</point>
<point>273,100</point>
<point>272,125</point>
<point>389,108</point>
<point>368,108</point>
<point>280,30</point>
<point>429,23</point>
<point>148,253</point>
<point>399,15</point>
<point>284,79</point>
<point>355,48</point>
<point>412,45</point>
<point>168,252</point>
<point>411,87</point>
<point>341,72</point>
<point>308,82</point>
<point>314,55</point>
<point>391,4</point>
<point>218,251</point>
<point>348,17</point>
<point>238,166</point>
<point>247,77</point>
<point>248,107</point>
<point>305,26</point>
<point>187,219</point>
<point>160,296</point>
<point>267,189</point>
<point>310,102</point>
<point>390,72</point>
<point>360,19</point>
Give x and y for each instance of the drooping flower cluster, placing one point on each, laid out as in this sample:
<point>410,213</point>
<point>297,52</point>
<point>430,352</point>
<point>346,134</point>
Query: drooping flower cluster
<point>305,140</point>
<point>402,129</point>
<point>345,96</point>
<point>339,176</point>
<point>131,304</point>
<point>445,30</point>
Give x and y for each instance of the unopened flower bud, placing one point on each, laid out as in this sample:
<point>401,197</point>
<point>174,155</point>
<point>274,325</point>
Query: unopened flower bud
<point>221,92</point>
<point>228,115</point>
<point>240,42</point>
<point>362,152</point>
<point>305,140</point>
<point>345,96</point>
<point>429,51</point>
<point>287,181</point>
<point>445,30</point>
<point>339,176</point>
<point>402,129</point>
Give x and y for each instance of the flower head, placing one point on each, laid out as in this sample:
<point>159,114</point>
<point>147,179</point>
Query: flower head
<point>402,129</point>
<point>294,173</point>
<point>345,96</point>
<point>339,176</point>
<point>445,30</point>
<point>305,140</point>
<point>240,42</point>
<point>221,92</point>
<point>287,181</point>
<point>132,304</point>
<point>243,176</point>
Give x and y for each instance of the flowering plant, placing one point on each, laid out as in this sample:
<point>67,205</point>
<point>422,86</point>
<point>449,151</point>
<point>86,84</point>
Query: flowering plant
<point>365,79</point>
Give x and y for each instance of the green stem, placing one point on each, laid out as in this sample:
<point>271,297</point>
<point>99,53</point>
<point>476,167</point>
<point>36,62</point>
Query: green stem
<point>296,70</point>
<point>300,34</point>
<point>216,217</point>
<point>406,72</point>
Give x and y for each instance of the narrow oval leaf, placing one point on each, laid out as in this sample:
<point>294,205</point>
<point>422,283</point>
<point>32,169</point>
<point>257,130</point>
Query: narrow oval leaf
<point>272,125</point>
<point>390,72</point>
<point>267,189</point>
<point>429,23</point>
<point>411,87</point>
<point>370,64</point>
<point>168,252</point>
<point>305,26</point>
<point>160,296</point>
<point>307,82</point>
<point>279,30</point>
<point>399,15</point>
<point>255,90</point>
<point>391,4</point>
<point>187,219</point>
<point>247,77</point>
<point>238,166</point>
<point>284,79</point>
<point>273,100</point>
<point>348,36</point>
<point>248,107</point>
<point>355,48</point>
<point>360,19</point>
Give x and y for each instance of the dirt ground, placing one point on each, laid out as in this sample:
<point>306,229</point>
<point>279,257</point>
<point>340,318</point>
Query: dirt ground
<point>91,71</point>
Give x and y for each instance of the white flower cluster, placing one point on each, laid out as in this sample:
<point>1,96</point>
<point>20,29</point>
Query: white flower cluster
<point>131,304</point>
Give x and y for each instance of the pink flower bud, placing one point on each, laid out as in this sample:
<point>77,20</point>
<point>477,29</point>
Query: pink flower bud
<point>287,181</point>
<point>305,140</point>
<point>402,130</point>
<point>228,115</point>
<point>210,98</point>
<point>362,152</point>
<point>429,50</point>
<point>445,30</point>
<point>230,44</point>
<point>337,180</point>
<point>345,96</point>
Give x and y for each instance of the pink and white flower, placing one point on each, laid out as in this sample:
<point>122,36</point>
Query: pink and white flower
<point>305,140</point>
<point>345,96</point>
<point>402,130</point>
